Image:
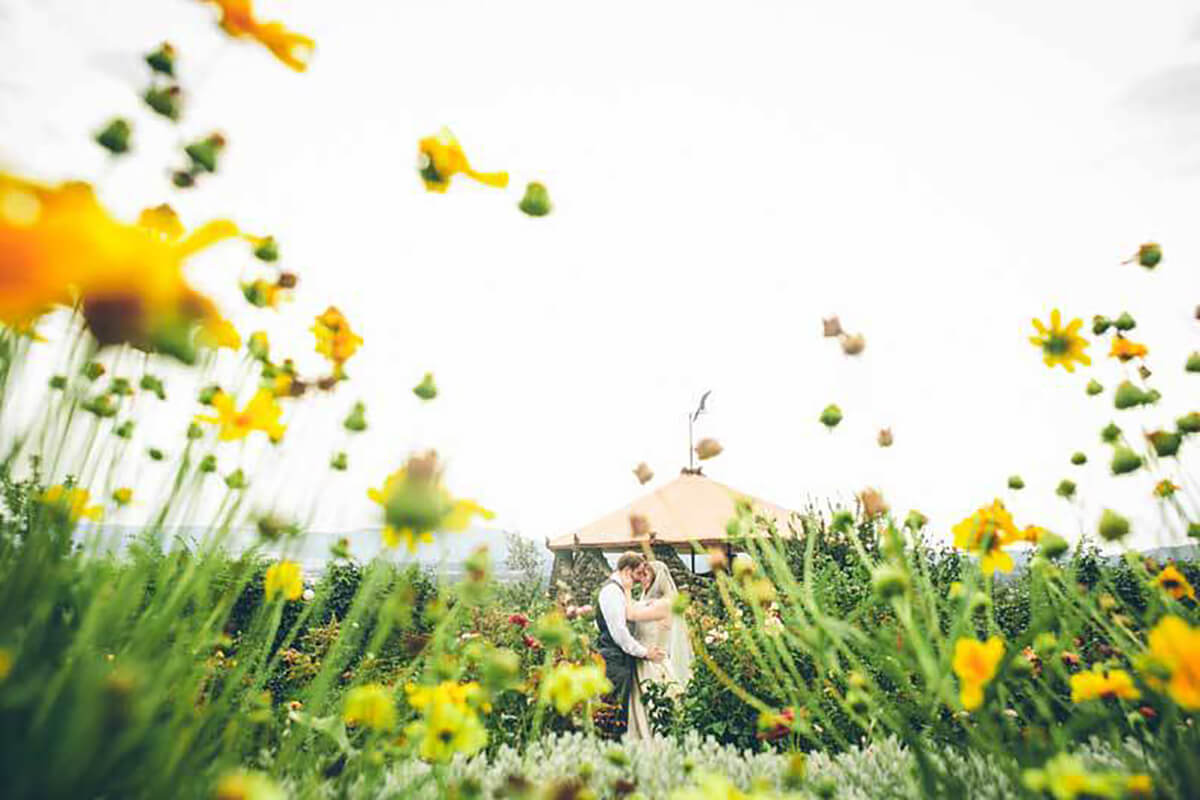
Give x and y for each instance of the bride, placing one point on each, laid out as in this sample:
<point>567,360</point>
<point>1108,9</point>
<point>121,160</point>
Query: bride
<point>655,624</point>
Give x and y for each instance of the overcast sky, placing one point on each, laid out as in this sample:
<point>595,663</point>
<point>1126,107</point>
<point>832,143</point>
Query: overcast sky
<point>724,175</point>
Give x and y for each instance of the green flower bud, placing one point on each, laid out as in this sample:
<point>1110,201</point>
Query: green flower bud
<point>356,422</point>
<point>341,549</point>
<point>1193,530</point>
<point>162,60</point>
<point>203,153</point>
<point>500,669</point>
<point>915,520</point>
<point>617,757</point>
<point>194,431</point>
<point>587,769</point>
<point>1052,545</point>
<point>1065,489</point>
<point>1113,526</point>
<point>1078,458</point>
<point>165,100</point>
<point>114,137</point>
<point>426,389</point>
<point>1110,433</point>
<point>1193,362</point>
<point>120,387</point>
<point>536,202</point>
<point>553,630</point>
<point>93,370</point>
<point>1125,461</point>
<point>339,462</point>
<point>1165,443</point>
<point>124,430</point>
<point>236,479</point>
<point>1094,388</point>
<point>831,416</point>
<point>841,521</point>
<point>183,179</point>
<point>207,394</point>
<point>1149,254</point>
<point>58,382</point>
<point>267,250</point>
<point>1127,396</point>
<point>1125,322</point>
<point>1188,423</point>
<point>1015,482</point>
<point>155,454</point>
<point>101,405</point>
<point>1100,325</point>
<point>889,581</point>
<point>208,463</point>
<point>152,384</point>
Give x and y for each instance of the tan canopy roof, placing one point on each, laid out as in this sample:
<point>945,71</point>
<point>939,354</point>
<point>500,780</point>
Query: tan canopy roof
<point>691,508</point>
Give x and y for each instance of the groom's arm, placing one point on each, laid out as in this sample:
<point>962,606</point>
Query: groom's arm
<point>612,606</point>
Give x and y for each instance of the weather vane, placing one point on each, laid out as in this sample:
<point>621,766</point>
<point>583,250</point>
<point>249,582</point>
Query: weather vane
<point>700,409</point>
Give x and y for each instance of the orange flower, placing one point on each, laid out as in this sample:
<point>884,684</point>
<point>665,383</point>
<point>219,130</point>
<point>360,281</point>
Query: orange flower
<point>1103,684</point>
<point>985,532</point>
<point>237,20</point>
<point>1175,649</point>
<point>1125,350</point>
<point>335,340</point>
<point>975,665</point>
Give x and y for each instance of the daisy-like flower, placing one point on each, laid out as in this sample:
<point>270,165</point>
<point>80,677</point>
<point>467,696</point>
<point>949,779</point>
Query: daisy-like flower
<point>237,19</point>
<point>416,505</point>
<point>441,157</point>
<point>1099,684</point>
<point>1175,650</point>
<point>370,706</point>
<point>335,340</point>
<point>261,413</point>
<point>1125,349</point>
<point>73,502</point>
<point>284,579</point>
<point>1061,346</point>
<point>449,721</point>
<point>568,685</point>
<point>1174,583</point>
<point>975,665</point>
<point>985,532</point>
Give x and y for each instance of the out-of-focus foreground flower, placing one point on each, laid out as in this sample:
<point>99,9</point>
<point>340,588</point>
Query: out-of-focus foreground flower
<point>237,20</point>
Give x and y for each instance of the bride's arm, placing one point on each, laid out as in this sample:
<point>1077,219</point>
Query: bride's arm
<point>642,612</point>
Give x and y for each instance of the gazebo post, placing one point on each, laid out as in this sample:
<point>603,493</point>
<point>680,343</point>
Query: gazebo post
<point>693,561</point>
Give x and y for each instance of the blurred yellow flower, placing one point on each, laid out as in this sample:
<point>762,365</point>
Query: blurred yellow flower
<point>416,505</point>
<point>73,502</point>
<point>283,578</point>
<point>985,532</point>
<point>237,20</point>
<point>370,706</point>
<point>1032,534</point>
<point>261,413</point>
<point>245,785</point>
<point>61,247</point>
<point>1175,648</point>
<point>335,340</point>
<point>163,221</point>
<point>1102,684</point>
<point>462,694</point>
<point>449,723</point>
<point>441,157</point>
<point>1065,777</point>
<point>975,665</point>
<point>1174,583</point>
<point>6,663</point>
<point>123,496</point>
<point>1124,349</point>
<point>1061,346</point>
<point>568,685</point>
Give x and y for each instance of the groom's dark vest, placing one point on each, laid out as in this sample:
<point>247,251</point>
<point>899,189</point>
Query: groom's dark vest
<point>619,666</point>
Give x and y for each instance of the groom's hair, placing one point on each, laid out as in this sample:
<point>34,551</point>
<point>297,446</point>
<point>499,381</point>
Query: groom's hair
<point>629,560</point>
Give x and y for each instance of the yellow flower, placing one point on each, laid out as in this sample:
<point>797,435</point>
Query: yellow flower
<point>1062,346</point>
<point>568,685</point>
<point>237,20</point>
<point>975,665</point>
<point>371,706</point>
<point>6,663</point>
<point>1174,583</point>
<point>60,246</point>
<point>335,340</point>
<point>1139,785</point>
<point>441,157</point>
<point>261,413</point>
<point>283,578</point>
<point>416,505</point>
<point>244,785</point>
<point>1175,648</point>
<point>985,532</point>
<point>123,496</point>
<point>1065,777</point>
<point>1125,350</point>
<point>1032,534</point>
<point>463,694</point>
<point>449,723</point>
<point>163,221</point>
<point>1103,684</point>
<point>73,502</point>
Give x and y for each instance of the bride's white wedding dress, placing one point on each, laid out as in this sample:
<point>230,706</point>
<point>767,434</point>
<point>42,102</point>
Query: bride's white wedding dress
<point>671,635</point>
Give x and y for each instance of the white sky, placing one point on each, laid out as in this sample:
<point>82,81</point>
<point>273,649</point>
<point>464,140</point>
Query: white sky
<point>724,175</point>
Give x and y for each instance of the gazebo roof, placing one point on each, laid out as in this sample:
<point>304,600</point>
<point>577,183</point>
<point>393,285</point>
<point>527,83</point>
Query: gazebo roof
<point>691,508</point>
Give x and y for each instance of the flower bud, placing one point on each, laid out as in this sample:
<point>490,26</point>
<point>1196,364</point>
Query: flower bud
<point>155,454</point>
<point>872,502</point>
<point>153,384</point>
<point>841,521</point>
<point>114,137</point>
<point>832,326</point>
<point>643,472</point>
<point>58,382</point>
<point>162,60</point>
<point>536,202</point>
<point>885,437</point>
<point>1110,433</point>
<point>831,416</point>
<point>122,496</point>
<point>889,581</point>
<point>1127,396</point>
<point>708,448</point>
<point>339,462</point>
<point>426,389</point>
<point>340,548</point>
<point>1188,423</point>
<point>194,432</point>
<point>204,152</point>
<point>267,249</point>
<point>552,629</point>
<point>1125,322</point>
<point>1016,482</point>
<point>1052,545</point>
<point>165,100</point>
<point>1124,461</point>
<point>1149,254</point>
<point>1113,526</point>
<point>1165,443</point>
<point>1093,388</point>
<point>93,370</point>
<point>183,179</point>
<point>915,520</point>
<point>852,345</point>
<point>1065,489</point>
<point>743,566</point>
<point>1078,458</point>
<point>356,421</point>
<point>120,387</point>
<point>124,430</point>
<point>500,669</point>
<point>208,464</point>
<point>236,479</point>
<point>101,405</point>
<point>1100,325</point>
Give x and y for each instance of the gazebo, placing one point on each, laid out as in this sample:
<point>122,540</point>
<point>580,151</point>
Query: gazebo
<point>688,513</point>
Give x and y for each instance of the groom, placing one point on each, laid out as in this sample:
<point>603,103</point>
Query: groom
<point>615,643</point>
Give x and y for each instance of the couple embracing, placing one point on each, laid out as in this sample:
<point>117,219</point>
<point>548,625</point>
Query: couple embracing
<point>641,641</point>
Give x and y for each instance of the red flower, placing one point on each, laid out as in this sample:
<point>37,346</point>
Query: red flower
<point>782,727</point>
<point>532,643</point>
<point>520,620</point>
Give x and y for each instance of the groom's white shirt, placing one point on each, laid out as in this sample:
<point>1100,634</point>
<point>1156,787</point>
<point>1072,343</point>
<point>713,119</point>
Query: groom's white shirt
<point>612,606</point>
